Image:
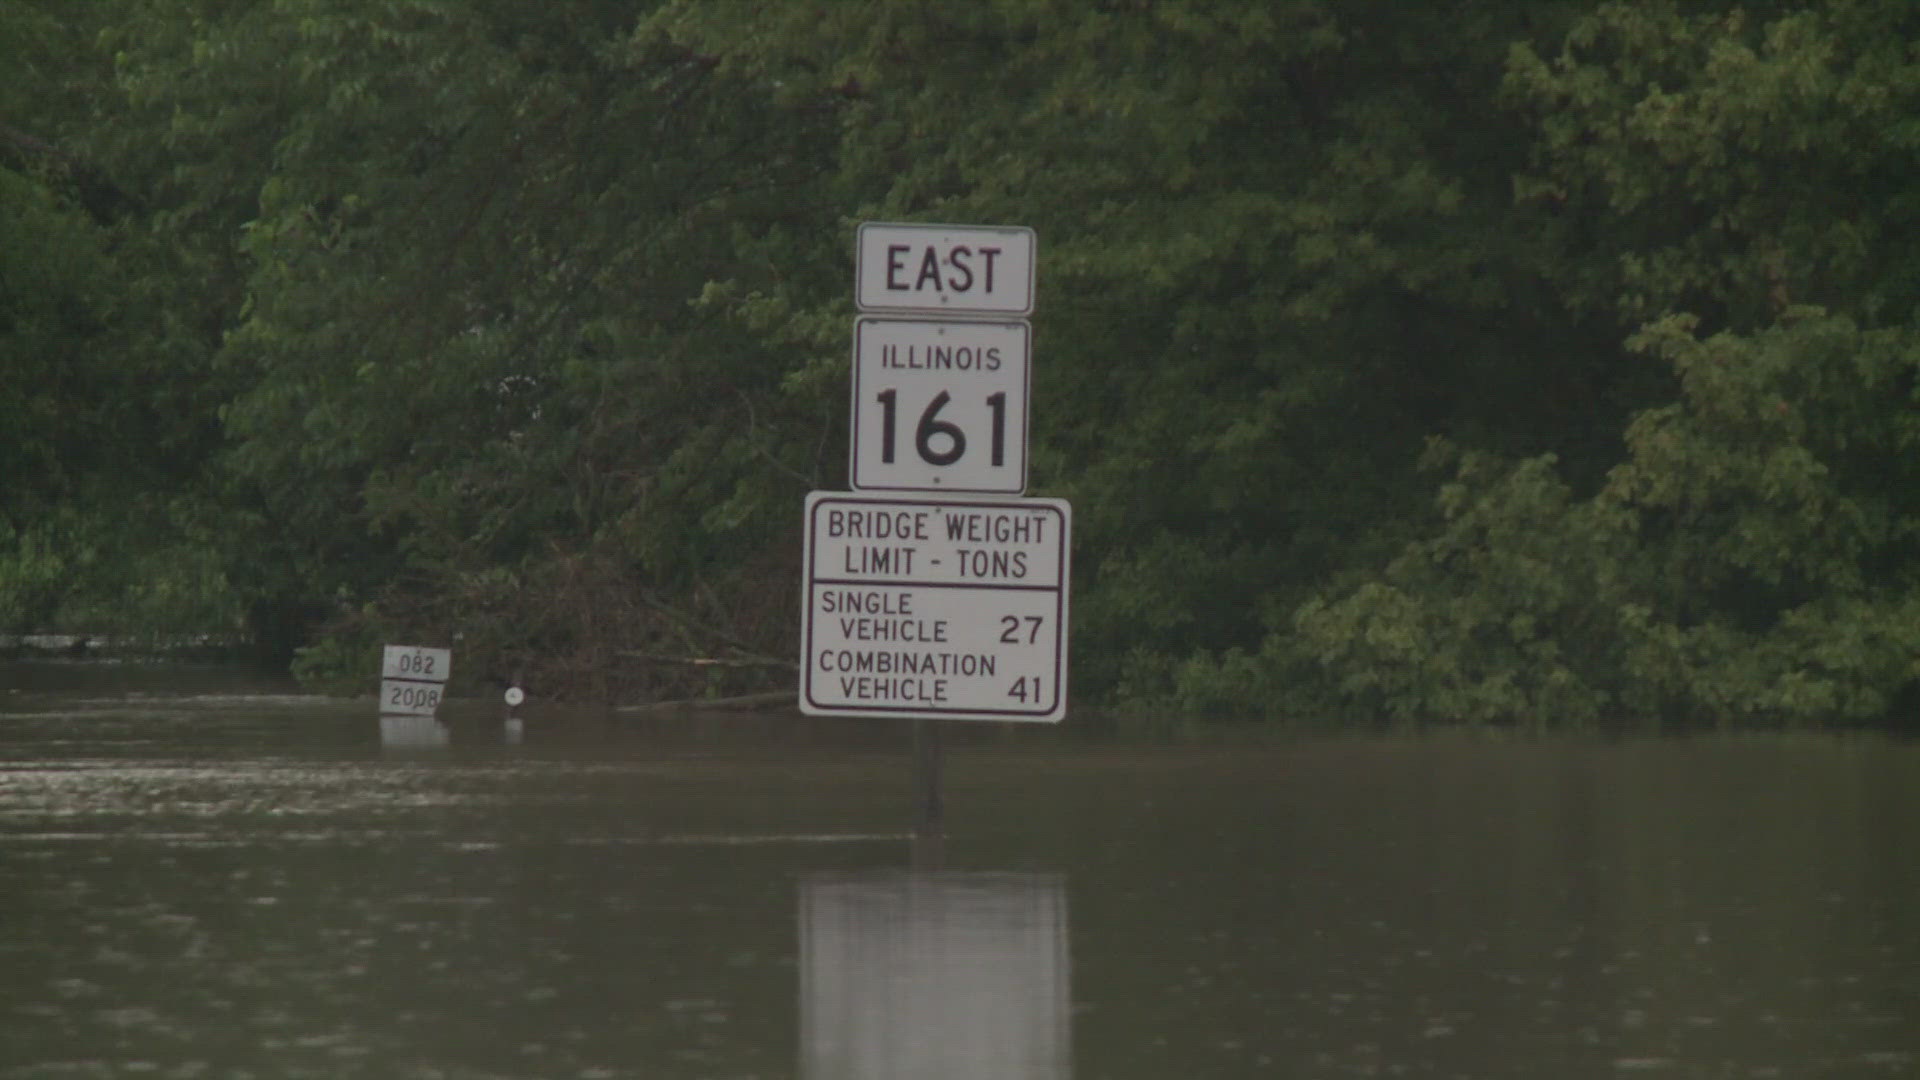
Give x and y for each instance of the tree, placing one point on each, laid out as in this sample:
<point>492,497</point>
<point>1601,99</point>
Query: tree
<point>1277,250</point>
<point>107,421</point>
<point>1739,185</point>
<point>474,390</point>
<point>531,323</point>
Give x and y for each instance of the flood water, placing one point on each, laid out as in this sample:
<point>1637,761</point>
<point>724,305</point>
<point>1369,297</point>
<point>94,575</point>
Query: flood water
<point>205,876</point>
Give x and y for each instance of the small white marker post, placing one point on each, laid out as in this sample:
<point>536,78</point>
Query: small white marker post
<point>511,729</point>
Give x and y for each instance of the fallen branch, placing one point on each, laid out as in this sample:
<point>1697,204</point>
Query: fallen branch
<point>738,701</point>
<point>686,623</point>
<point>709,661</point>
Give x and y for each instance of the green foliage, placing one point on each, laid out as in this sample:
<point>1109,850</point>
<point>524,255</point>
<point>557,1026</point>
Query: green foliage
<point>340,663</point>
<point>1776,511</point>
<point>105,421</point>
<point>1501,615</point>
<point>530,323</point>
<point>1276,248</point>
<point>470,248</point>
<point>51,296</point>
<point>1748,561</point>
<point>120,563</point>
<point>1741,160</point>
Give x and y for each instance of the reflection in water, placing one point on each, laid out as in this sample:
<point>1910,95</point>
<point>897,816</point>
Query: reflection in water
<point>413,733</point>
<point>222,879</point>
<point>941,975</point>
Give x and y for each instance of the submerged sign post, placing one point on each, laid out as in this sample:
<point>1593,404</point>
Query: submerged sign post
<point>934,590</point>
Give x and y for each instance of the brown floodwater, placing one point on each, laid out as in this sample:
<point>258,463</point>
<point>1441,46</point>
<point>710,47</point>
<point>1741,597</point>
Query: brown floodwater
<point>205,875</point>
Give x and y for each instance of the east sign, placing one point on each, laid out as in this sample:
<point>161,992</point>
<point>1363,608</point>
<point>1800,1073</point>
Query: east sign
<point>951,271</point>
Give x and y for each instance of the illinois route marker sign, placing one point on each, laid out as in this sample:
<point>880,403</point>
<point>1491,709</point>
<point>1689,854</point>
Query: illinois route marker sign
<point>940,405</point>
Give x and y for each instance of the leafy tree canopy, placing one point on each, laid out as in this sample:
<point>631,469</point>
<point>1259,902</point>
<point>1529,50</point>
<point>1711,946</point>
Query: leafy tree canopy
<point>530,323</point>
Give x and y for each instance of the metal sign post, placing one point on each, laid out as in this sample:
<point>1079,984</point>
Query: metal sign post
<point>929,796</point>
<point>946,600</point>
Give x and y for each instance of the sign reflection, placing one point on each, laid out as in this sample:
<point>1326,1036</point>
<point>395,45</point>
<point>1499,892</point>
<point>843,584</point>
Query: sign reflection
<point>944,975</point>
<point>413,733</point>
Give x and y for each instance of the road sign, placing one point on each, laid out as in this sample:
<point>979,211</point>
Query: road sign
<point>947,270</point>
<point>940,406</point>
<point>416,664</point>
<point>948,609</point>
<point>399,697</point>
<point>412,679</point>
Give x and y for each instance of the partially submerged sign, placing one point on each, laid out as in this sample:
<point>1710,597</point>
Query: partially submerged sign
<point>952,604</point>
<point>413,679</point>
<point>935,608</point>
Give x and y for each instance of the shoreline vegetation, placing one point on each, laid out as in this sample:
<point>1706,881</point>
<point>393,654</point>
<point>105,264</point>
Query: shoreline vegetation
<point>775,715</point>
<point>102,647</point>
<point>1561,361</point>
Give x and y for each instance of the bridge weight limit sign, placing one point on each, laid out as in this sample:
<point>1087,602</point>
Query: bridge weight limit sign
<point>936,609</point>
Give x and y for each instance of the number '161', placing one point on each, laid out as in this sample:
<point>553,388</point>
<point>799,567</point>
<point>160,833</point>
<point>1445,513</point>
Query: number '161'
<point>937,441</point>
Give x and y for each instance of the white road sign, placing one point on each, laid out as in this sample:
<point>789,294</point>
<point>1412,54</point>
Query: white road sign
<point>415,663</point>
<point>940,406</point>
<point>398,697</point>
<point>412,679</point>
<point>944,609</point>
<point>947,270</point>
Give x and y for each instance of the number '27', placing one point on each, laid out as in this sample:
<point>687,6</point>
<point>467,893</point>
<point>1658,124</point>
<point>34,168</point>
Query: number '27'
<point>1010,629</point>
